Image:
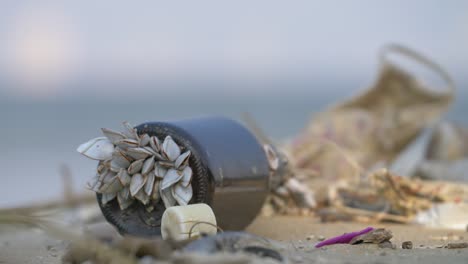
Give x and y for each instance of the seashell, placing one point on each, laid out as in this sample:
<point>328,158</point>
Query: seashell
<point>151,150</point>
<point>182,194</point>
<point>144,140</point>
<point>182,159</point>
<point>107,197</point>
<point>119,160</point>
<point>148,165</point>
<point>137,182</point>
<point>124,177</point>
<point>112,135</point>
<point>168,199</point>
<point>150,183</point>
<point>102,169</point>
<point>187,176</point>
<point>142,197</point>
<point>130,131</point>
<point>172,176</point>
<point>159,171</point>
<point>166,164</point>
<point>98,149</point>
<point>124,199</point>
<point>111,186</point>
<point>135,166</point>
<point>94,184</point>
<point>138,153</point>
<point>127,143</point>
<point>170,149</point>
<point>155,144</point>
<point>155,195</point>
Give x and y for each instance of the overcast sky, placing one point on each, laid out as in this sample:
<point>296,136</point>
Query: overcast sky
<point>46,45</point>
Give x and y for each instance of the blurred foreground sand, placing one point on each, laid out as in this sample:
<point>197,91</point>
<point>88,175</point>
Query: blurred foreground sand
<point>292,232</point>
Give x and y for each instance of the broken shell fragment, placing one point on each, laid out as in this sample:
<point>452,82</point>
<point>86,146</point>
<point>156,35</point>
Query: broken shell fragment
<point>98,149</point>
<point>182,194</point>
<point>137,182</point>
<point>170,149</point>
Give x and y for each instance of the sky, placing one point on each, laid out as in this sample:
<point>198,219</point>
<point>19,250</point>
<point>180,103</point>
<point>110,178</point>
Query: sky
<point>74,49</point>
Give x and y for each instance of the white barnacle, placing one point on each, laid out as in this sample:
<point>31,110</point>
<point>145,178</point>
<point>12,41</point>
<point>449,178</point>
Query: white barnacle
<point>135,167</point>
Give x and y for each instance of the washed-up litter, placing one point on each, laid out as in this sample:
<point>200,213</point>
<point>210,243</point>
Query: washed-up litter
<point>368,235</point>
<point>384,155</point>
<point>343,239</point>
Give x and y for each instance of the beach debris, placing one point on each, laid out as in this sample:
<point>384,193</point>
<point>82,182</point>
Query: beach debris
<point>343,239</point>
<point>407,245</point>
<point>392,125</point>
<point>188,222</point>
<point>449,215</point>
<point>386,244</point>
<point>235,242</point>
<point>457,245</point>
<point>139,167</point>
<point>375,236</point>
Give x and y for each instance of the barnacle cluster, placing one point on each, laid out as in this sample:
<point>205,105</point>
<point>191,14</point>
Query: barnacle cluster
<point>139,167</point>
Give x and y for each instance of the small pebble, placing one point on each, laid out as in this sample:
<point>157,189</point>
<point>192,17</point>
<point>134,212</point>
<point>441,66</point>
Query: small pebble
<point>321,238</point>
<point>407,245</point>
<point>387,244</point>
<point>310,237</point>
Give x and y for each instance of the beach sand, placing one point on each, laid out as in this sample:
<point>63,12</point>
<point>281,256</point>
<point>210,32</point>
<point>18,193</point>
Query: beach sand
<point>297,237</point>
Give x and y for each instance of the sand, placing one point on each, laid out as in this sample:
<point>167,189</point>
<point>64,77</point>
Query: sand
<point>292,233</point>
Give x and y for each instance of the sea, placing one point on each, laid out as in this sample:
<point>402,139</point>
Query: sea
<point>39,138</point>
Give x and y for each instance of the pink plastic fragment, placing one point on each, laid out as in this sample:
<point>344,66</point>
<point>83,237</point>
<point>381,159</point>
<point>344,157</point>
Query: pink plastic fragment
<point>343,239</point>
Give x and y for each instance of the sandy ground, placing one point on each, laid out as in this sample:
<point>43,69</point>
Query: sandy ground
<point>292,232</point>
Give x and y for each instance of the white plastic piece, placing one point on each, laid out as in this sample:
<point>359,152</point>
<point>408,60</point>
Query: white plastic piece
<point>186,222</point>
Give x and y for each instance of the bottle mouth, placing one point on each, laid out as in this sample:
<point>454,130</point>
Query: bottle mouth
<point>137,219</point>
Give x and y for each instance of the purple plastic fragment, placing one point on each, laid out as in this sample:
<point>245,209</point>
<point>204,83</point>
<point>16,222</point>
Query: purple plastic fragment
<point>343,239</point>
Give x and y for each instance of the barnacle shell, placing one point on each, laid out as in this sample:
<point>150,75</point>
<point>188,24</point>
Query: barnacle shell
<point>137,182</point>
<point>138,153</point>
<point>135,166</point>
<point>98,149</point>
<point>170,149</point>
<point>148,165</point>
<point>186,177</point>
<point>172,176</point>
<point>182,194</point>
<point>139,167</point>
<point>112,135</point>
<point>182,159</point>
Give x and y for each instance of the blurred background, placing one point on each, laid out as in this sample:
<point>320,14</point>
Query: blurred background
<point>69,68</point>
